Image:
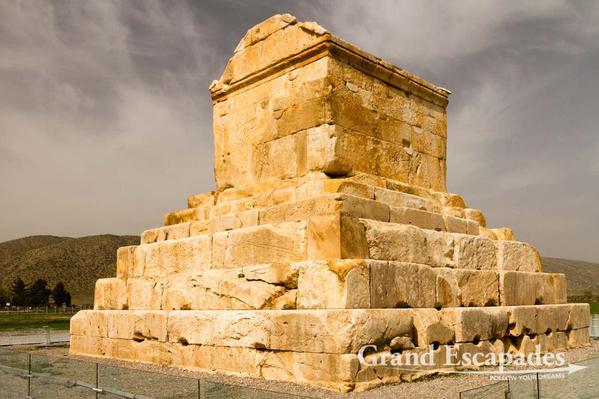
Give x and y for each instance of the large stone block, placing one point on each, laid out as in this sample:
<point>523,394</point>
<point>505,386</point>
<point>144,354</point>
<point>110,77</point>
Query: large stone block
<point>338,331</point>
<point>162,258</point>
<point>284,242</point>
<point>419,218</point>
<point>400,285</point>
<point>252,287</point>
<point>475,252</point>
<point>405,243</point>
<point>333,284</point>
<point>578,338</point>
<point>125,261</point>
<point>476,324</point>
<point>538,319</point>
<point>431,327</point>
<point>110,293</point>
<point>517,256</point>
<point>523,288</point>
<point>145,294</point>
<point>460,287</point>
<point>401,199</point>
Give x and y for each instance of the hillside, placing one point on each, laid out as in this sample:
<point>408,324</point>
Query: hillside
<point>582,277</point>
<point>78,262</point>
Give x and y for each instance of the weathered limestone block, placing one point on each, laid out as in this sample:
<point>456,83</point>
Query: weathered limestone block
<point>326,205</point>
<point>233,289</point>
<point>538,319</point>
<point>397,285</point>
<point>551,341</point>
<point>110,293</point>
<point>125,261</point>
<point>455,225</point>
<point>322,369</point>
<point>225,223</point>
<point>137,325</point>
<point>282,158</point>
<point>579,316</point>
<point>87,345</point>
<point>431,327</point>
<point>400,199</point>
<point>172,232</point>
<point>504,233</point>
<point>517,256</point>
<point>410,244</point>
<point>144,294</point>
<point>475,252</point>
<point>475,215</point>
<point>418,218</point>
<point>347,186</point>
<point>268,286</point>
<point>459,287</point>
<point>174,256</point>
<point>578,338</point>
<point>333,284</point>
<point>92,323</point>
<point>335,237</point>
<point>186,215</point>
<point>341,151</point>
<point>203,199</point>
<point>338,331</point>
<point>475,324</point>
<point>523,288</point>
<point>284,242</point>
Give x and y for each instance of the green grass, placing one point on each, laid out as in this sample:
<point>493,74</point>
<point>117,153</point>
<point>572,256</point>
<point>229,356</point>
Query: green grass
<point>594,307</point>
<point>28,321</point>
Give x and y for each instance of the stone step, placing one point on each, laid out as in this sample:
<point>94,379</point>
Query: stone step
<point>321,346</point>
<point>332,330</point>
<point>327,233</point>
<point>333,371</point>
<point>384,284</point>
<point>408,211</point>
<point>337,331</point>
<point>407,243</point>
<point>234,201</point>
<point>335,284</point>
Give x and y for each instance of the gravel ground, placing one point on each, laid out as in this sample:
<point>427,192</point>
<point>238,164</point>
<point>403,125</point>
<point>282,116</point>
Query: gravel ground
<point>442,387</point>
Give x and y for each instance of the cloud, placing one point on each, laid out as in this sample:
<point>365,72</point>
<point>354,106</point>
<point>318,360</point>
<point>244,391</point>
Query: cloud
<point>105,118</point>
<point>104,113</point>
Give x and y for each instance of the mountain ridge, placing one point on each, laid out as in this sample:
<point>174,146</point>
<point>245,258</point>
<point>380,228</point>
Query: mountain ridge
<point>77,262</point>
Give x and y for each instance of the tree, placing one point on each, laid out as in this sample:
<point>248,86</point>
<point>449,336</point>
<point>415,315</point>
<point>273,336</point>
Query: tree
<point>19,292</point>
<point>39,294</point>
<point>4,297</point>
<point>61,295</point>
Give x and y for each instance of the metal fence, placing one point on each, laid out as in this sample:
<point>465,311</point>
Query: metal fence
<point>36,376</point>
<point>581,384</point>
<point>44,309</point>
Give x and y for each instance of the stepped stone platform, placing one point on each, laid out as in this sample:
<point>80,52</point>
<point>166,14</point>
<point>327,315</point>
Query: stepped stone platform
<point>330,229</point>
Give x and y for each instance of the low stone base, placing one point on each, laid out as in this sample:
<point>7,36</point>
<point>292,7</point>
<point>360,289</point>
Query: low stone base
<point>320,347</point>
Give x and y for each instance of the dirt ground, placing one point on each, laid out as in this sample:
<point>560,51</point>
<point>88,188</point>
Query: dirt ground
<point>136,377</point>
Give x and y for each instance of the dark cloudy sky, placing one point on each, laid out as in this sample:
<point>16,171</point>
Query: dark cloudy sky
<point>105,117</point>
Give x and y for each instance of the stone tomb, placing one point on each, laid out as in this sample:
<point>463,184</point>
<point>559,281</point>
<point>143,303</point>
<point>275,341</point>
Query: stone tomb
<point>330,229</point>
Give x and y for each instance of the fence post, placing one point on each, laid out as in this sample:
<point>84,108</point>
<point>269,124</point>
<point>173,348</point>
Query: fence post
<point>29,375</point>
<point>199,397</point>
<point>538,387</point>
<point>97,380</point>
